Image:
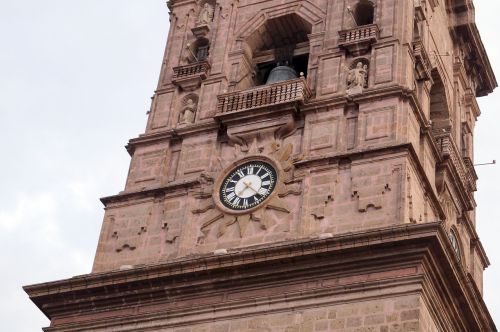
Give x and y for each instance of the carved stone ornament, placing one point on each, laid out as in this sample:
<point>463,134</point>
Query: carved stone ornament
<point>188,112</point>
<point>127,238</point>
<point>356,78</point>
<point>215,214</point>
<point>206,14</point>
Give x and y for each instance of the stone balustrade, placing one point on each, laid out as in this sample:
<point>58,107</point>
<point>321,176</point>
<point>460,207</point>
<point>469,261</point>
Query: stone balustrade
<point>287,92</point>
<point>423,63</point>
<point>448,149</point>
<point>359,39</point>
<point>469,165</point>
<point>190,76</point>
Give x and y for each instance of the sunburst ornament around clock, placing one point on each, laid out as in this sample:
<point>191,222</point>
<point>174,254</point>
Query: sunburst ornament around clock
<point>248,185</point>
<point>250,190</point>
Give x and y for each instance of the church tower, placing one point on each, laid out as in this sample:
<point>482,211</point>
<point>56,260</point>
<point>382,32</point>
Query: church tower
<point>307,165</point>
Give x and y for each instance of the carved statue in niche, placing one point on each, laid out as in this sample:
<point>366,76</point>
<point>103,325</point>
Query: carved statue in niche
<point>188,112</point>
<point>356,78</point>
<point>206,14</point>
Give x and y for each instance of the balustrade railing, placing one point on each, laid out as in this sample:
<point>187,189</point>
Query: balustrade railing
<point>422,59</point>
<point>448,149</point>
<point>193,69</point>
<point>359,34</point>
<point>291,91</point>
<point>472,175</point>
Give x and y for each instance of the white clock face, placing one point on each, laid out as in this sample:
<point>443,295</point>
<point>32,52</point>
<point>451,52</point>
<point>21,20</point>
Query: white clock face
<point>248,185</point>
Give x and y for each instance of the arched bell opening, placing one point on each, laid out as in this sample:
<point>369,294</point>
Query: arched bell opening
<point>280,42</point>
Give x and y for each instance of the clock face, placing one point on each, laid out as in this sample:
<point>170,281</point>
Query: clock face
<point>248,185</point>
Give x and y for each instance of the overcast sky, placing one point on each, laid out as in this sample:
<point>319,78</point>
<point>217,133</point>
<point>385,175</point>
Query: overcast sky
<point>75,82</point>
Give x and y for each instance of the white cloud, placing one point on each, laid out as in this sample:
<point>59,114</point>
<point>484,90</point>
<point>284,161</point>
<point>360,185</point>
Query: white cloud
<point>30,209</point>
<point>84,193</point>
<point>75,81</point>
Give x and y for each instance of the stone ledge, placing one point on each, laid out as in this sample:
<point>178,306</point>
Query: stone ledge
<point>346,267</point>
<point>151,192</point>
<point>172,133</point>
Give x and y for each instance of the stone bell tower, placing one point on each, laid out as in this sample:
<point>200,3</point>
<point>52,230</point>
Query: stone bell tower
<point>307,165</point>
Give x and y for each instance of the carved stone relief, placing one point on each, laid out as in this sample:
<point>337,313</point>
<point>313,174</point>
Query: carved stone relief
<point>272,216</point>
<point>187,114</point>
<point>170,235</point>
<point>357,77</point>
<point>206,14</point>
<point>127,234</point>
<point>370,187</point>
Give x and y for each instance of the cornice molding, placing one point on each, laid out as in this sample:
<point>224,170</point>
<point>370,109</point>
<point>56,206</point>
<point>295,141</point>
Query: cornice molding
<point>193,288</point>
<point>151,192</point>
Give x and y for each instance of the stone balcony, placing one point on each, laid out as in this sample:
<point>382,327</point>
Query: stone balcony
<point>423,65</point>
<point>189,77</point>
<point>449,151</point>
<point>266,110</point>
<point>358,40</point>
<point>287,93</point>
<point>469,165</point>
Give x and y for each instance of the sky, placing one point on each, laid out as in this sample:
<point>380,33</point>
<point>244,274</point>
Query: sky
<point>76,79</point>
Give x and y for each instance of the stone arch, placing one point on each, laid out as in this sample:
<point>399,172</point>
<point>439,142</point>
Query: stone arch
<point>278,40</point>
<point>364,12</point>
<point>440,113</point>
<point>305,10</point>
<point>199,49</point>
<point>192,96</point>
<point>250,70</point>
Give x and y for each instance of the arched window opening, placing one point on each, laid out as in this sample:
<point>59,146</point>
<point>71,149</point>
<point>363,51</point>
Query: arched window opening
<point>281,41</point>
<point>364,13</point>
<point>199,50</point>
<point>439,110</point>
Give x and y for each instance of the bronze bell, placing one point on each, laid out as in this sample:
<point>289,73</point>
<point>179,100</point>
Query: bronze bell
<point>280,74</point>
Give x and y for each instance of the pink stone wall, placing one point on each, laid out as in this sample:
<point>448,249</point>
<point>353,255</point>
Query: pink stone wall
<point>357,161</point>
<point>392,314</point>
